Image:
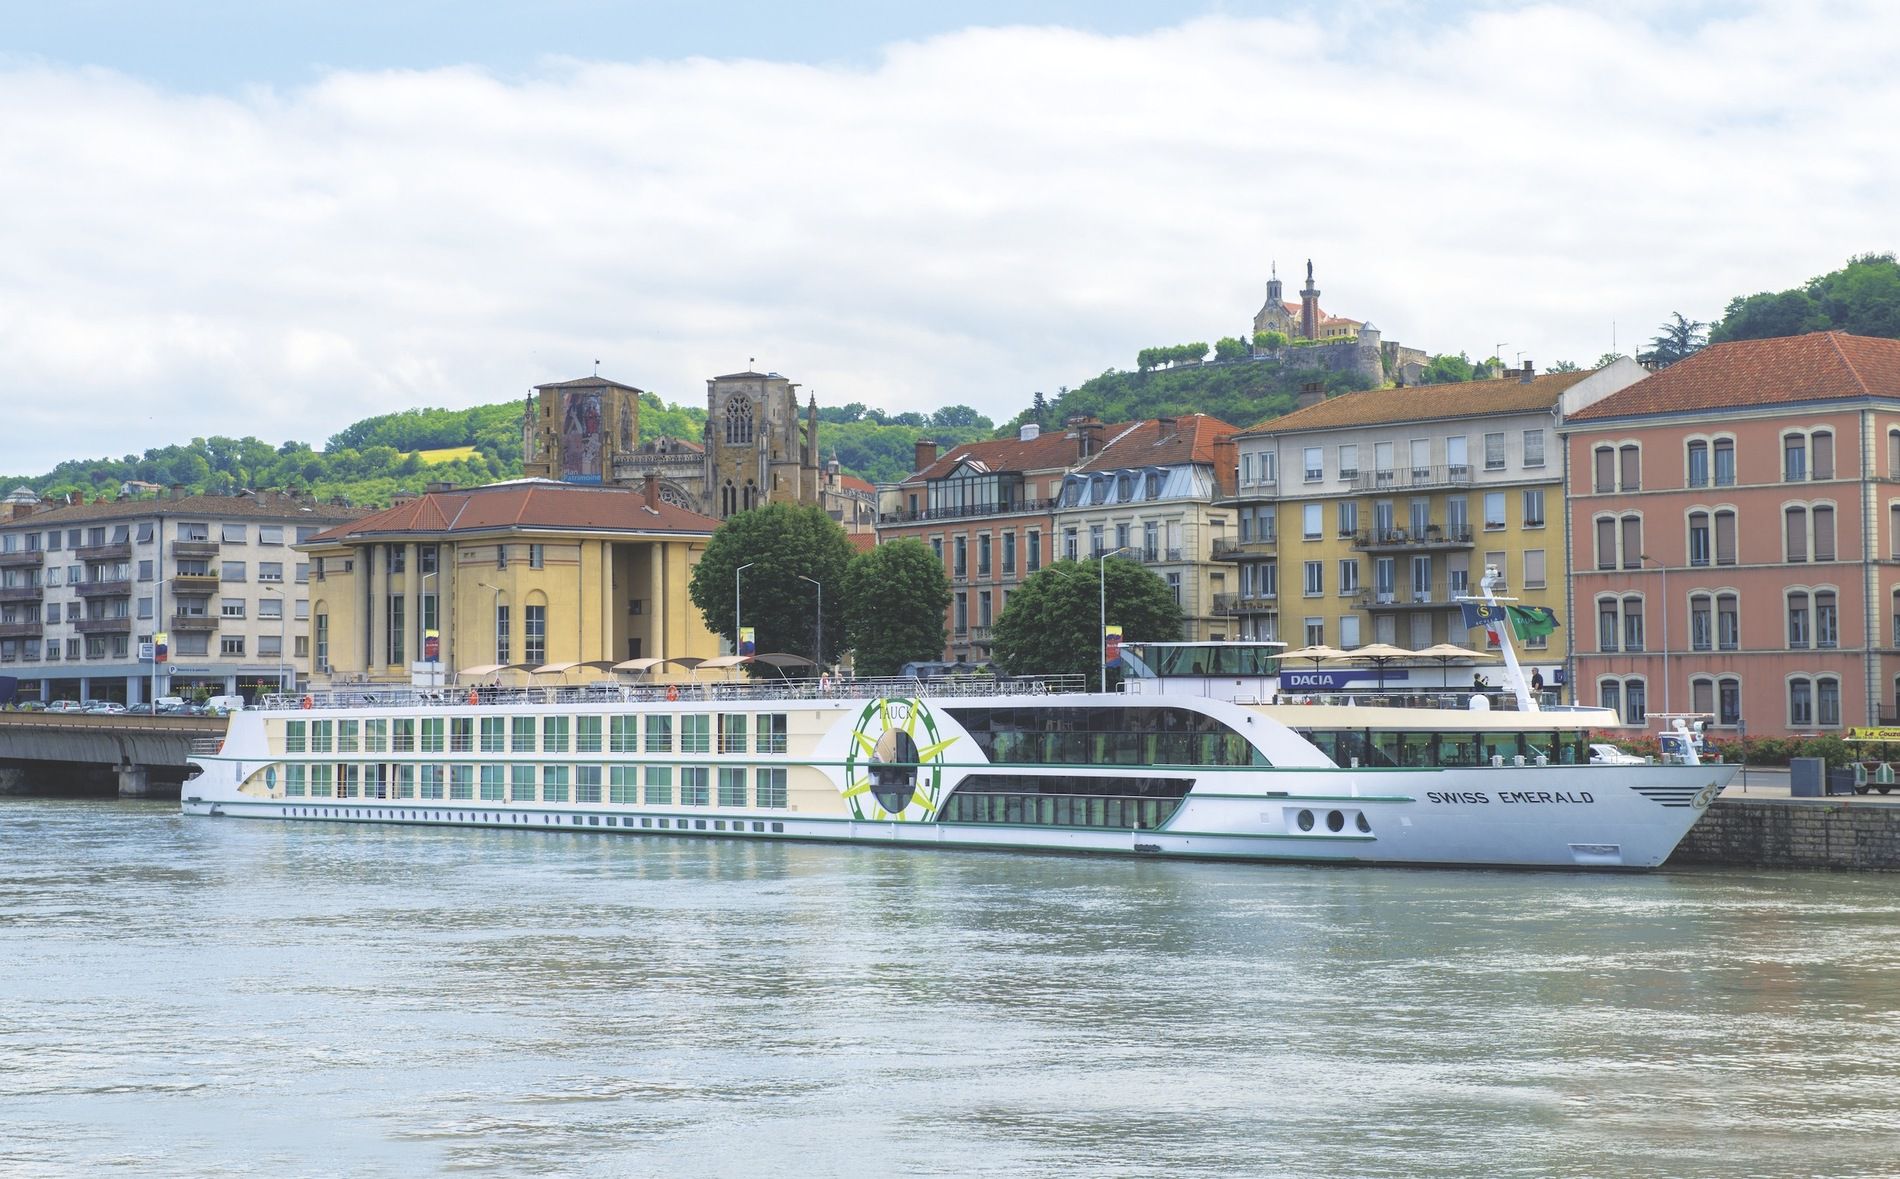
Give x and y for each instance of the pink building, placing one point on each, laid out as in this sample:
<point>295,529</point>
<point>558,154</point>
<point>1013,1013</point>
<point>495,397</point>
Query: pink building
<point>1735,537</point>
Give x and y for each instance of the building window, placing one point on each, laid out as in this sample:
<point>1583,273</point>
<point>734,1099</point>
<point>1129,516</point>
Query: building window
<point>1315,632</point>
<point>1534,508</point>
<point>504,641</point>
<point>1493,510</point>
<point>1534,569</point>
<point>1699,551</point>
<point>1348,577</point>
<point>1533,448</point>
<point>1315,578</point>
<point>738,421</point>
<point>1698,476</point>
<point>1009,554</point>
<point>961,546</point>
<point>395,635</point>
<point>1801,702</point>
<point>1797,611</point>
<point>1728,622</point>
<point>1701,624</point>
<point>1032,559</point>
<point>537,556</point>
<point>1627,697</point>
<point>231,644</point>
<point>1494,452</point>
<point>1312,526</point>
<point>535,635</point>
<point>1313,463</point>
<point>1725,542</point>
<point>232,571</point>
<point>231,533</point>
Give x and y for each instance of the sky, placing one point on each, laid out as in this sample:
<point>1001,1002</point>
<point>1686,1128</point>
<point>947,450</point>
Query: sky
<point>277,218</point>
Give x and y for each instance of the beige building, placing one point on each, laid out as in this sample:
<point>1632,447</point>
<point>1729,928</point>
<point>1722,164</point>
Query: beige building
<point>522,574</point>
<point>1362,518</point>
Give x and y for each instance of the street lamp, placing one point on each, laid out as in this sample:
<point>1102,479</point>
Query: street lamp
<point>818,631</point>
<point>738,640</point>
<point>1101,599</point>
<point>423,628</point>
<point>1665,625</point>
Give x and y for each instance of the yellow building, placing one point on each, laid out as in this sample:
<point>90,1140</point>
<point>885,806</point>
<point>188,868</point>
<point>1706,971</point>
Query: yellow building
<point>1364,517</point>
<point>523,574</point>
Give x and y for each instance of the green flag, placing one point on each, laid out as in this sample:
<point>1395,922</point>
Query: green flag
<point>1531,622</point>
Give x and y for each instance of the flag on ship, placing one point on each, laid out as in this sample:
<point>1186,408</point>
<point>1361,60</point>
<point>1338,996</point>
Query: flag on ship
<point>1531,622</point>
<point>1112,647</point>
<point>1485,614</point>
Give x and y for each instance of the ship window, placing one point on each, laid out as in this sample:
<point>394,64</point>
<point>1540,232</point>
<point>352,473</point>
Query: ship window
<point>554,734</point>
<point>696,734</point>
<point>553,783</point>
<point>623,734</point>
<point>462,734</point>
<point>586,783</point>
<point>322,736</point>
<point>1306,820</point>
<point>462,783</point>
<point>432,782</point>
<point>731,786</point>
<point>294,781</point>
<point>732,728</point>
<point>521,782</point>
<point>771,789</point>
<point>522,740</point>
<point>1112,735</point>
<point>493,728</point>
<point>695,786</point>
<point>771,738</point>
<point>403,735</point>
<point>659,785</point>
<point>293,736</point>
<point>1126,803</point>
<point>1335,821</point>
<point>659,734</point>
<point>431,734</point>
<point>586,734</point>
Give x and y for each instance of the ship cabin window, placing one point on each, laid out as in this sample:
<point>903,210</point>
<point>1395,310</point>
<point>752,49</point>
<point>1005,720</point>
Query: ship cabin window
<point>462,783</point>
<point>431,782</point>
<point>1379,749</point>
<point>294,736</point>
<point>732,728</point>
<point>492,782</point>
<point>320,781</point>
<point>772,732</point>
<point>376,736</point>
<point>1115,735</point>
<point>346,736</point>
<point>554,730</point>
<point>348,781</point>
<point>461,734</point>
<point>587,735</point>
<point>521,780</point>
<point>432,729</point>
<point>586,783</point>
<point>623,734</point>
<point>693,786</point>
<point>294,782</point>
<point>494,729</point>
<point>659,734</point>
<point>659,786</point>
<point>402,737</point>
<point>731,786</point>
<point>553,783</point>
<point>1141,804</point>
<point>696,734</point>
<point>405,782</point>
<point>523,737</point>
<point>771,787</point>
<point>623,784</point>
<point>322,736</point>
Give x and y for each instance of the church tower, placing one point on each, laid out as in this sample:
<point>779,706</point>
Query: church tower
<point>756,452</point>
<point>575,431</point>
<point>1274,296</point>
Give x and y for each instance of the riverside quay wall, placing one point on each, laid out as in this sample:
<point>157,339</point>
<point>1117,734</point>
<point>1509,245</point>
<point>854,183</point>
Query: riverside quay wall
<point>1860,834</point>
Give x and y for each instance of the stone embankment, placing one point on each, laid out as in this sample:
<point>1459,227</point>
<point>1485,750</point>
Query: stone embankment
<point>1853,832</point>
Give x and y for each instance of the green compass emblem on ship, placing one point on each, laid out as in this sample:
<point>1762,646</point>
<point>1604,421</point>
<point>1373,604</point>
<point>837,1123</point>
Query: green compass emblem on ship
<point>894,769</point>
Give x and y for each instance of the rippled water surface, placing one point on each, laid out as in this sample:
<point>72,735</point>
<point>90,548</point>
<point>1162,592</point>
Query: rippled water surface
<point>228,997</point>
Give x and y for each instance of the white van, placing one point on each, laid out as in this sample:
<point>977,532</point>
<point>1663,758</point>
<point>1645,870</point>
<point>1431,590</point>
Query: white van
<point>219,705</point>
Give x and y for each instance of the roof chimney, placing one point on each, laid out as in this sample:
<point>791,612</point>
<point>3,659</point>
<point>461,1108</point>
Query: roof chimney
<point>1164,428</point>
<point>926,452</point>
<point>1529,371</point>
<point>1311,393</point>
<point>652,490</point>
<point>1028,432</point>
<point>1088,434</point>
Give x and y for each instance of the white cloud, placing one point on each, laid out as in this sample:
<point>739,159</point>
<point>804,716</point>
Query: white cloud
<point>980,215</point>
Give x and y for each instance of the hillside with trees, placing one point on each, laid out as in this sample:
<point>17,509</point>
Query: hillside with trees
<point>1862,297</point>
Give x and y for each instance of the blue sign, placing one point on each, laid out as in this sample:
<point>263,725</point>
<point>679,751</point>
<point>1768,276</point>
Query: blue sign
<point>1333,680</point>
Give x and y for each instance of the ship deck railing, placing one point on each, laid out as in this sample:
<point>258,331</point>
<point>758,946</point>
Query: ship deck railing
<point>832,688</point>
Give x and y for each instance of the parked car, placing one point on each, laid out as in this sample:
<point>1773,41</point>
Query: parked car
<point>104,708</point>
<point>65,706</point>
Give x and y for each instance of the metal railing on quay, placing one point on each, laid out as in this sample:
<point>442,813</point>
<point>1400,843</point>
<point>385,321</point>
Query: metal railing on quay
<point>831,688</point>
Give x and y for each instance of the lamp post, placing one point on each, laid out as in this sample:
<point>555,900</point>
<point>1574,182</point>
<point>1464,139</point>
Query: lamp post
<point>423,628</point>
<point>738,641</point>
<point>1101,598</point>
<point>494,619</point>
<point>1645,557</point>
<point>818,631</point>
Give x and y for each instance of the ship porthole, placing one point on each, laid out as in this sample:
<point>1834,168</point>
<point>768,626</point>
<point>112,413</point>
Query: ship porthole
<point>1360,820</point>
<point>1335,821</point>
<point>1306,820</point>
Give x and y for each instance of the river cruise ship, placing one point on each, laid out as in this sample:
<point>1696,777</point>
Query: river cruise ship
<point>976,762</point>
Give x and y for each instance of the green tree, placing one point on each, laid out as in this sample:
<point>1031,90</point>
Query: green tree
<point>1445,369</point>
<point>1049,625</point>
<point>782,543</point>
<point>1862,297</point>
<point>894,599</point>
<point>1231,348</point>
<point>1677,339</point>
<point>1564,366</point>
<point>1608,358</point>
<point>960,417</point>
<point>1269,340</point>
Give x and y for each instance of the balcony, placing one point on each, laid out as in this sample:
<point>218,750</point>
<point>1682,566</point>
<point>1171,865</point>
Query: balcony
<point>118,550</point>
<point>980,635</point>
<point>103,589</point>
<point>104,626</point>
<point>21,593</point>
<point>20,630</point>
<point>1234,549</point>
<point>1234,605</point>
<point>1433,539</point>
<point>201,549</point>
<point>19,557</point>
<point>1257,491</point>
<point>196,623</point>
<point>1413,478</point>
<point>1439,596</point>
<point>968,512</point>
<point>194,584</point>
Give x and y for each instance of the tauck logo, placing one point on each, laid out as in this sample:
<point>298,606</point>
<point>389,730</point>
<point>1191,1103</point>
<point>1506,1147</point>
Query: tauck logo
<point>894,769</point>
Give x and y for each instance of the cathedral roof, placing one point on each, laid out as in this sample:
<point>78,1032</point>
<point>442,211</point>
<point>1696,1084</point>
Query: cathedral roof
<point>593,382</point>
<point>540,505</point>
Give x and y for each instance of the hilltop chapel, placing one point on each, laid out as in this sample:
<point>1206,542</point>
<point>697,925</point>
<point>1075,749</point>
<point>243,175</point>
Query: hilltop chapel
<point>755,449</point>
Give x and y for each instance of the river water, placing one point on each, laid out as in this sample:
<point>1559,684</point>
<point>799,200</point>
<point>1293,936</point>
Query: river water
<point>225,997</point>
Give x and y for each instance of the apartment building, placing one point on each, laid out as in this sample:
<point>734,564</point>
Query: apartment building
<point>85,585</point>
<point>986,509</point>
<point>1150,495</point>
<point>1363,518</point>
<point>1737,537</point>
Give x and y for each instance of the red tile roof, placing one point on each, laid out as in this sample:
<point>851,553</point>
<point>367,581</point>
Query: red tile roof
<point>265,505</point>
<point>1190,439</point>
<point>853,483</point>
<point>1820,366</point>
<point>1050,450</point>
<point>526,504</point>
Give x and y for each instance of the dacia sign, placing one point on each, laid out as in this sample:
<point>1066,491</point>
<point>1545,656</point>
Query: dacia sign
<point>1333,680</point>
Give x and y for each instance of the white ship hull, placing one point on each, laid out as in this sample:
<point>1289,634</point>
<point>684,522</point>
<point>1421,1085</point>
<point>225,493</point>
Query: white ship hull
<point>1251,787</point>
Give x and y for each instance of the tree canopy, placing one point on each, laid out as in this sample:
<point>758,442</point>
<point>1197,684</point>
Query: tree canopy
<point>1050,625</point>
<point>1862,297</point>
<point>894,599</point>
<point>1678,338</point>
<point>782,543</point>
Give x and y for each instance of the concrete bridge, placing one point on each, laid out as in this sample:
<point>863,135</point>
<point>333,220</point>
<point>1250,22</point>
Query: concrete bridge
<point>143,755</point>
